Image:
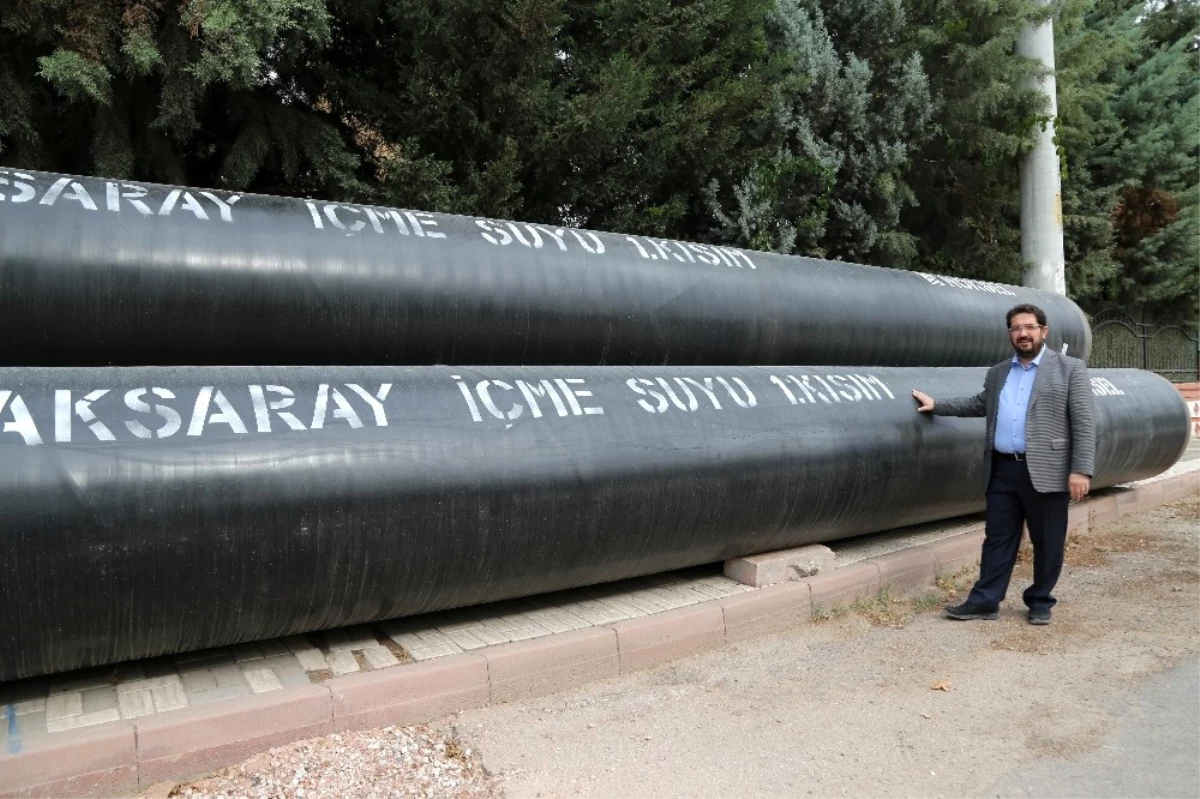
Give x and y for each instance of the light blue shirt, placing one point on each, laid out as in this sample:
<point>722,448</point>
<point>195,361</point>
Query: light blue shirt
<point>1014,404</point>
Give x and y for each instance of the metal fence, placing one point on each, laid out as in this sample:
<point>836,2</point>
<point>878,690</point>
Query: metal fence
<point>1119,341</point>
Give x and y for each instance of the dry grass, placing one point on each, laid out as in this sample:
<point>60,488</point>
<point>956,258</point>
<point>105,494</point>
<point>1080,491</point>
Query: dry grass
<point>822,612</point>
<point>889,608</point>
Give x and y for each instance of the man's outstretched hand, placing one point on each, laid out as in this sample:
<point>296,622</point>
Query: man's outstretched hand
<point>925,400</point>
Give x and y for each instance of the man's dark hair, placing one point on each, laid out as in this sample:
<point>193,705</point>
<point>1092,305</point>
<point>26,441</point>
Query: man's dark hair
<point>1026,308</point>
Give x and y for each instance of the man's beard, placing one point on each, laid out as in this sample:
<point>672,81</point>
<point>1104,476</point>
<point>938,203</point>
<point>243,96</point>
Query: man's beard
<point>1035,345</point>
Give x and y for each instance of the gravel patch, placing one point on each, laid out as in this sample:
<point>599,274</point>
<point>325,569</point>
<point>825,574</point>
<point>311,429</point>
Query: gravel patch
<point>401,762</point>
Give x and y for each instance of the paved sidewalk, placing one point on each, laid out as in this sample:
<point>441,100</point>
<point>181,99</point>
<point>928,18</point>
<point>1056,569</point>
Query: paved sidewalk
<point>37,708</point>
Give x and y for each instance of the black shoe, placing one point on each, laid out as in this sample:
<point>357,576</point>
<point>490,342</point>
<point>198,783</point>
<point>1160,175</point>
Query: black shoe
<point>968,611</point>
<point>1038,615</point>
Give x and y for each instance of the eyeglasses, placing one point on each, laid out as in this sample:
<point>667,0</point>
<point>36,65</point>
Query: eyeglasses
<point>1025,328</point>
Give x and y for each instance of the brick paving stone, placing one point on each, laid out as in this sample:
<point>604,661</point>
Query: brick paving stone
<point>82,720</point>
<point>706,590</point>
<point>148,683</point>
<point>24,731</point>
<point>379,657</point>
<point>99,699</point>
<point>446,641</point>
<point>288,670</point>
<point>691,594</point>
<point>217,694</point>
<point>275,661</point>
<point>201,666</point>
<point>195,680</point>
<point>504,634</point>
<point>527,633</point>
<point>350,638</point>
<point>421,650</point>
<point>309,657</point>
<point>465,639</point>
<point>722,582</point>
<point>441,621</point>
<point>433,637</point>
<point>556,621</point>
<point>228,674</point>
<point>60,706</point>
<point>670,599</point>
<point>693,591</point>
<point>169,696</point>
<point>557,616</point>
<point>342,661</point>
<point>627,609</point>
<point>572,608</point>
<point>665,595</point>
<point>488,635</point>
<point>134,704</point>
<point>593,611</point>
<point>509,621</point>
<point>408,636</point>
<point>263,680</point>
<point>499,624</point>
<point>645,603</point>
<point>285,661</point>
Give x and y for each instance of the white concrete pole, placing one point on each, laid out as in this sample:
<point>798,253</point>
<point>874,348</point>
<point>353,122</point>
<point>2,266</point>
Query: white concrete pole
<point>1041,187</point>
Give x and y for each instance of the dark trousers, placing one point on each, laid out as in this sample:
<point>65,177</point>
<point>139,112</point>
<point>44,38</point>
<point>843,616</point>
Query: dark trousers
<point>1011,501</point>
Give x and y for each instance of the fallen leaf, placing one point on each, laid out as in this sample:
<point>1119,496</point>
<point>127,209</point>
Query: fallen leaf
<point>941,685</point>
<point>926,716</point>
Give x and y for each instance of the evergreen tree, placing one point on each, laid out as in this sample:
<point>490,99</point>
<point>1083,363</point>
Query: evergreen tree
<point>1132,144</point>
<point>966,175</point>
<point>453,105</point>
<point>1092,47</point>
<point>200,92</point>
<point>851,102</point>
<point>665,97</point>
<point>883,131</point>
<point>1157,227</point>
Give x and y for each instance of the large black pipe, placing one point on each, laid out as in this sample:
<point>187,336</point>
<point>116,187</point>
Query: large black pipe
<point>149,511</point>
<point>96,272</point>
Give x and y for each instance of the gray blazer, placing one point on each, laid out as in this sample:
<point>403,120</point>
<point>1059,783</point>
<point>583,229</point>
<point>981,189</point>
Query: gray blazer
<point>1060,428</point>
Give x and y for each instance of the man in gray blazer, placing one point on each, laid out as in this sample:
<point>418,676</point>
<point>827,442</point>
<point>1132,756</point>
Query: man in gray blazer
<point>1041,433</point>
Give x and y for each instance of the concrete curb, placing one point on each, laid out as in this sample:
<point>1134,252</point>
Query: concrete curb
<point>123,758</point>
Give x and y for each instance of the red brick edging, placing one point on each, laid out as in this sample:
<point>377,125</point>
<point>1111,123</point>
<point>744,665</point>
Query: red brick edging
<point>123,758</point>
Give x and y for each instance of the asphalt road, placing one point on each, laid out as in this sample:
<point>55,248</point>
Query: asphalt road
<point>1154,751</point>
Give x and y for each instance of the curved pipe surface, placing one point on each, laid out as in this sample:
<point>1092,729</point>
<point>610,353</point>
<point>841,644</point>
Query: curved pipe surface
<point>152,511</point>
<point>105,272</point>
